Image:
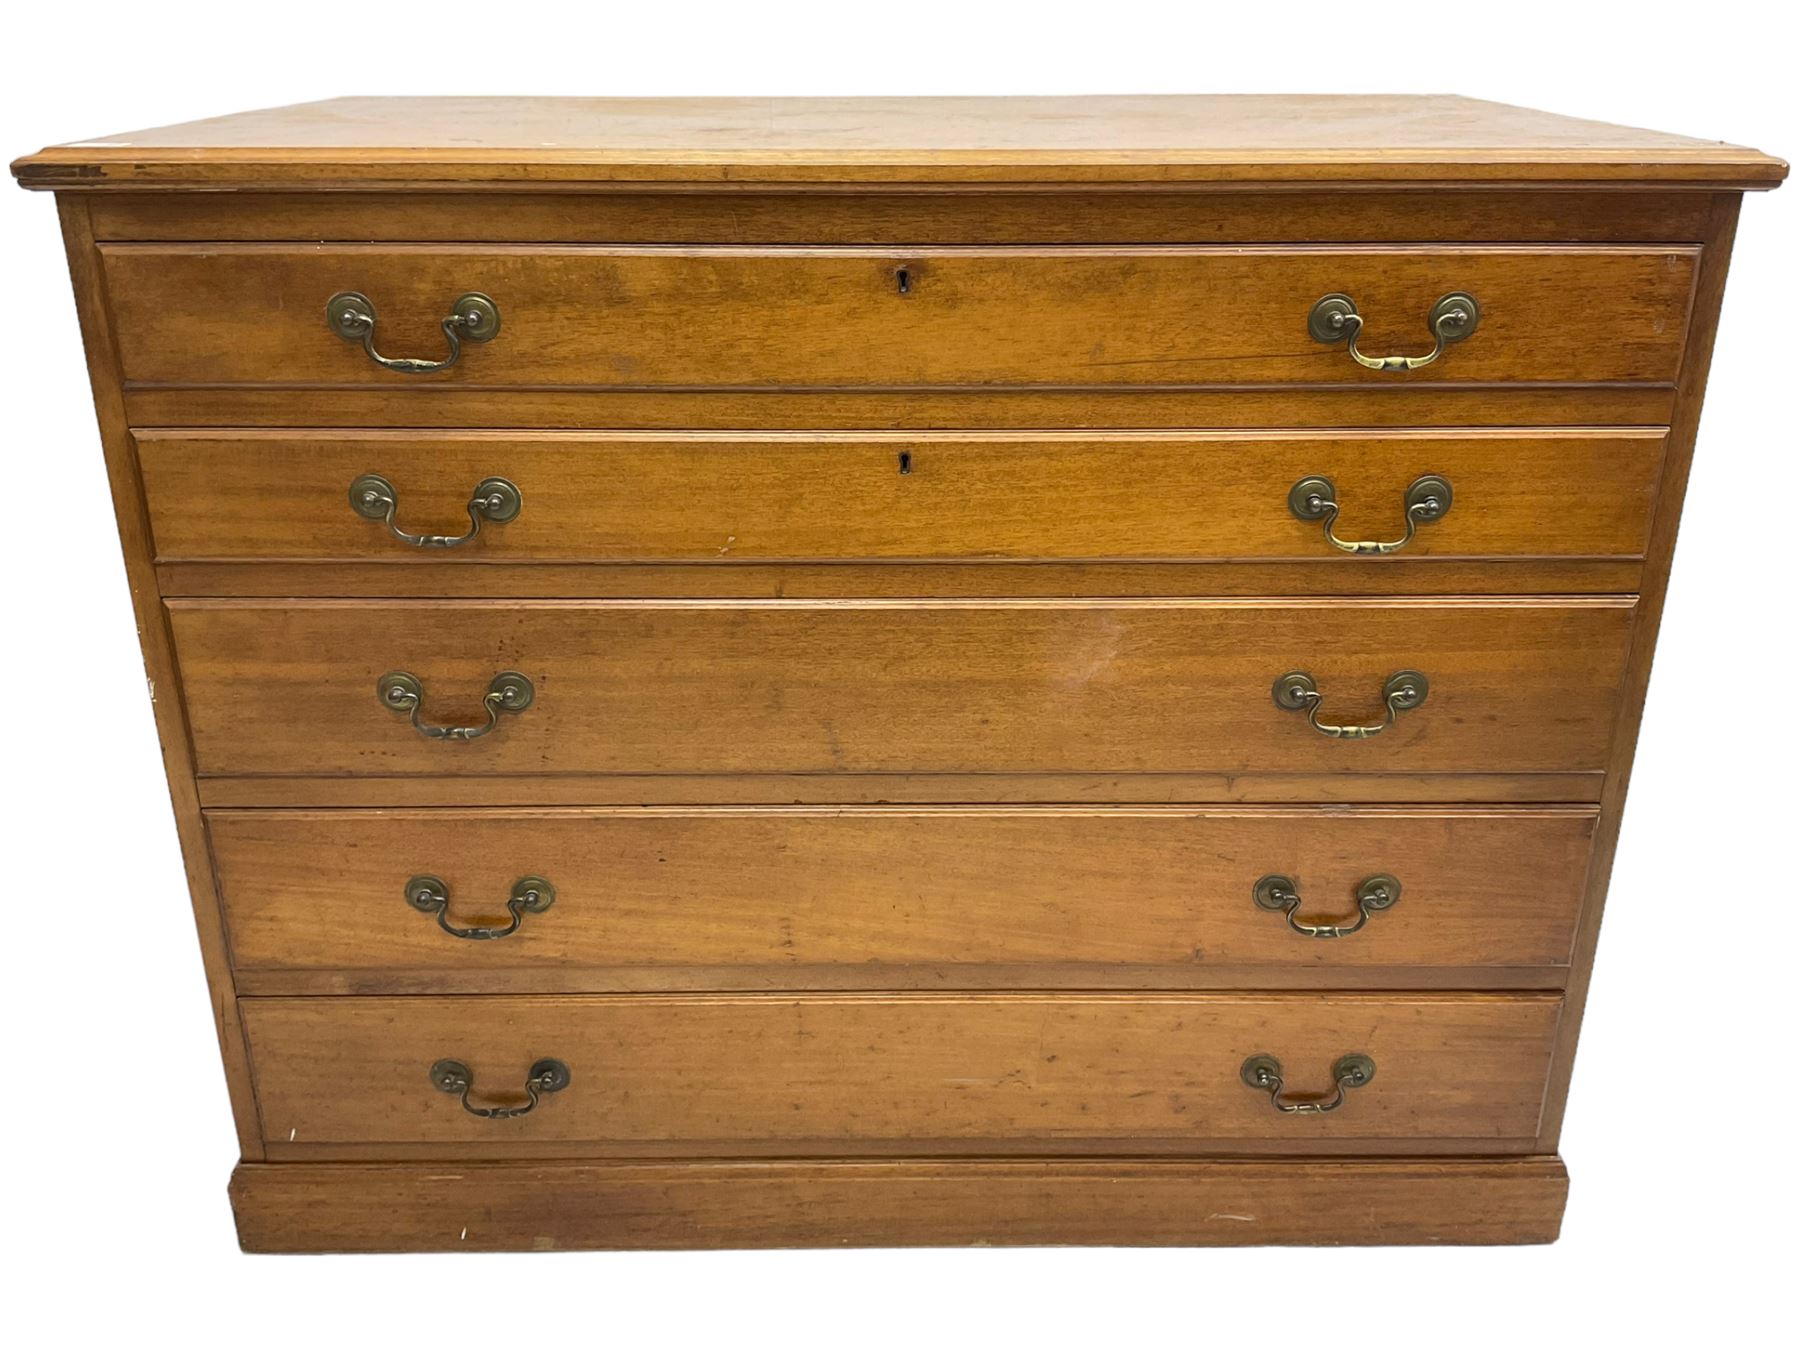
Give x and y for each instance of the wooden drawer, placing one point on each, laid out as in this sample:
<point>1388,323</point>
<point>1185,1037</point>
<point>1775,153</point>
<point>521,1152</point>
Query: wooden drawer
<point>922,1073</point>
<point>872,318</point>
<point>899,687</point>
<point>317,901</point>
<point>242,496</point>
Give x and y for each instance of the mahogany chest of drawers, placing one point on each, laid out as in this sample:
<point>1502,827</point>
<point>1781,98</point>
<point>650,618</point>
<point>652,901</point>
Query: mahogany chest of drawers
<point>783,672</point>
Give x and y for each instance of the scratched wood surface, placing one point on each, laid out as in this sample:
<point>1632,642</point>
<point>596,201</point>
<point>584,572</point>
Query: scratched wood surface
<point>711,1075</point>
<point>551,1206</point>
<point>979,687</point>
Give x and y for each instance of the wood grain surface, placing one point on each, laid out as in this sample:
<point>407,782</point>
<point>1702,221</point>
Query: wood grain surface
<point>552,1206</point>
<point>534,791</point>
<point>768,497</point>
<point>1401,404</point>
<point>160,671</point>
<point>900,687</point>
<point>1221,138</point>
<point>994,214</point>
<point>648,318</point>
<point>806,897</point>
<point>904,568</point>
<point>715,1075</point>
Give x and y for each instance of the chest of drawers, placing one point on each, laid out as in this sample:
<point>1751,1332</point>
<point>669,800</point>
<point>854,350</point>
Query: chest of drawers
<point>785,672</point>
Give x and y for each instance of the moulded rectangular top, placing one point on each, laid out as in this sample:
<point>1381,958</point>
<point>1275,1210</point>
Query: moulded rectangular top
<point>1199,138</point>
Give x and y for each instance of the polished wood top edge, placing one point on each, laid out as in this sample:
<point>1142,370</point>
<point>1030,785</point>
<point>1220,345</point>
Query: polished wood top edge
<point>1145,139</point>
<point>972,183</point>
<point>1356,131</point>
<point>65,168</point>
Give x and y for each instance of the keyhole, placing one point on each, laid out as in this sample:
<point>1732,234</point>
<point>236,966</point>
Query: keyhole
<point>903,278</point>
<point>906,461</point>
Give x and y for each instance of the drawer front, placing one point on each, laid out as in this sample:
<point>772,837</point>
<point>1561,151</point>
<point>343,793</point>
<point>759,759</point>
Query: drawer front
<point>899,686</point>
<point>862,318</point>
<point>245,496</point>
<point>778,898</point>
<point>723,1074</point>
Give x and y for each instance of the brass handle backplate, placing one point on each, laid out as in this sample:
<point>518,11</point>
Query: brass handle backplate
<point>1263,1072</point>
<point>373,498</point>
<point>1373,894</point>
<point>508,692</point>
<point>1299,692</point>
<point>472,318</point>
<point>455,1077</point>
<point>1428,499</point>
<point>431,895</point>
<point>1334,318</point>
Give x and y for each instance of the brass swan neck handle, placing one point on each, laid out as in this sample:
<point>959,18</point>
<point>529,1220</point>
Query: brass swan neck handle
<point>403,692</point>
<point>1404,690</point>
<point>431,895</point>
<point>456,1078</point>
<point>1373,894</point>
<point>1427,500</point>
<point>472,318</point>
<point>1334,318</point>
<point>495,499</point>
<point>1263,1072</point>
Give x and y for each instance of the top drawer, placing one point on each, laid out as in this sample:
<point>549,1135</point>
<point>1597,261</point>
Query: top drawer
<point>846,318</point>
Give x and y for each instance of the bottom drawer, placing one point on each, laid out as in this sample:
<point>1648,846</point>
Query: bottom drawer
<point>746,1075</point>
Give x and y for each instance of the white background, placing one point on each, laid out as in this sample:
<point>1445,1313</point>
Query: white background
<point>117,1134</point>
